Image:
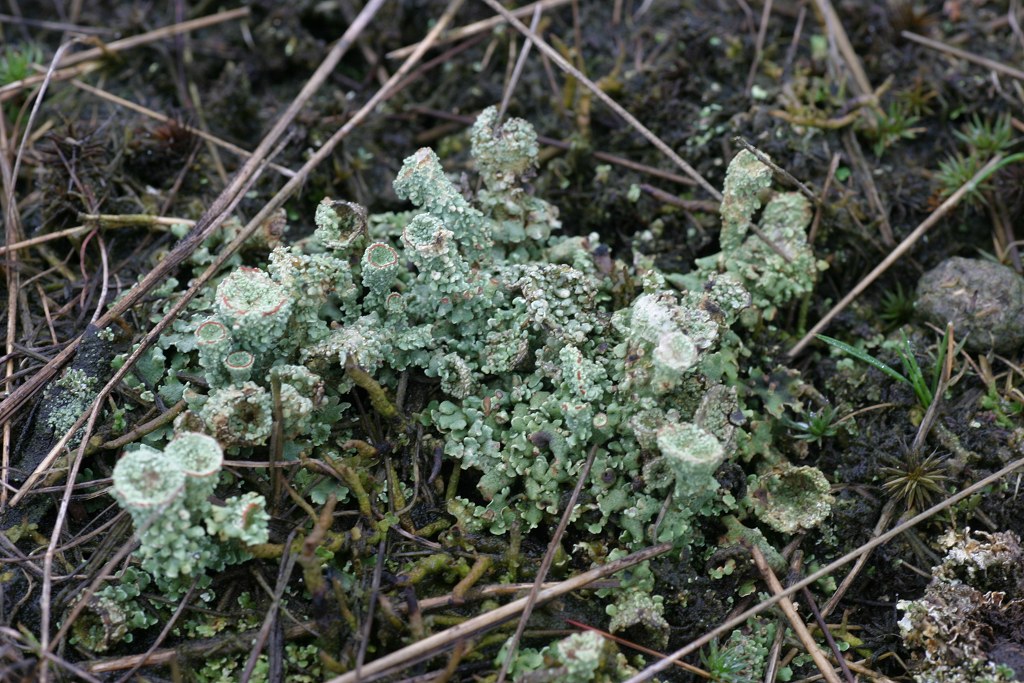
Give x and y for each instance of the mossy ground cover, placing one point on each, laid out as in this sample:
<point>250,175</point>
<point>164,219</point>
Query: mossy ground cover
<point>408,478</point>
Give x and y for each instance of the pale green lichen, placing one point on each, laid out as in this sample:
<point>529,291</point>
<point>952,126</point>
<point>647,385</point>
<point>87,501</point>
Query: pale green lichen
<point>380,265</point>
<point>641,610</point>
<point>243,518</point>
<point>745,653</point>
<point>340,225</point>
<point>200,458</point>
<point>67,398</point>
<point>238,365</point>
<point>791,499</point>
<point>586,657</point>
<point>113,613</point>
<point>239,416</point>
<point>527,350</point>
<point>772,259</point>
<point>255,308</point>
<point>167,493</point>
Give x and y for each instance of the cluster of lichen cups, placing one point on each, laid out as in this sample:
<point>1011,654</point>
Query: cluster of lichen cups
<point>537,361</point>
<point>182,534</point>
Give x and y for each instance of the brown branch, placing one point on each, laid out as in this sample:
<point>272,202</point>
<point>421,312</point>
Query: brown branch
<point>799,627</point>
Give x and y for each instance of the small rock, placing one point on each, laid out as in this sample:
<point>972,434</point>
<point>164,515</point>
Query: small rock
<point>983,300</point>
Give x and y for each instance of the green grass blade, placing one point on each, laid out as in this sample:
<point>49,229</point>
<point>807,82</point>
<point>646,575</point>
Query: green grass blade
<point>863,356</point>
<point>940,362</point>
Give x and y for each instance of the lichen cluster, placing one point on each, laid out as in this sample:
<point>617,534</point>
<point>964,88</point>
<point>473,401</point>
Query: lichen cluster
<point>182,534</point>
<point>536,349</point>
<point>536,359</point>
<point>965,628</point>
<point>167,493</point>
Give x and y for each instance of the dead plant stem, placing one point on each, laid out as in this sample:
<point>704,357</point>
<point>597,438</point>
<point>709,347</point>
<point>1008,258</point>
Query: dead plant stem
<point>479,27</point>
<point>990,64</point>
<point>65,71</point>
<point>798,625</point>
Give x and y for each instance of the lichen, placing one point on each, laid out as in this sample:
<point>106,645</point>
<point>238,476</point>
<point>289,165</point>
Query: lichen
<point>962,630</point>
<point>772,259</point>
<point>528,350</point>
<point>790,499</point>
<point>68,397</point>
<point>167,493</point>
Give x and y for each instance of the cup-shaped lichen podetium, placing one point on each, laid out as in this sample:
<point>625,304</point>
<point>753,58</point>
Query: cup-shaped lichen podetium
<point>244,518</point>
<point>339,224</point>
<point>255,308</point>
<point>239,366</point>
<point>146,479</point>
<point>692,454</point>
<point>791,499</point>
<point>200,457</point>
<point>380,265</point>
<point>214,342</point>
<point>239,415</point>
<point>427,238</point>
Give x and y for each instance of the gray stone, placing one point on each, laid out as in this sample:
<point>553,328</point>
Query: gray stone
<point>983,300</point>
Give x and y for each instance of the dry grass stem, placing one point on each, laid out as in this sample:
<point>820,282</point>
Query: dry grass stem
<point>795,621</point>
<point>989,64</point>
<point>64,67</point>
<point>837,36</point>
<point>479,27</point>
<point>565,66</point>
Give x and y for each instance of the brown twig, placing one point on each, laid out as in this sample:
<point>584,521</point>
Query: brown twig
<point>777,171</point>
<point>865,177</point>
<point>820,620</point>
<point>220,645</point>
<point>283,576</point>
<point>478,27</point>
<point>685,204</point>
<point>510,87</point>
<point>762,31</point>
<point>72,65</point>
<point>798,625</point>
<point>990,64</point>
<point>819,211</point>
<point>139,430</point>
<point>164,632</point>
<point>837,35</point>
